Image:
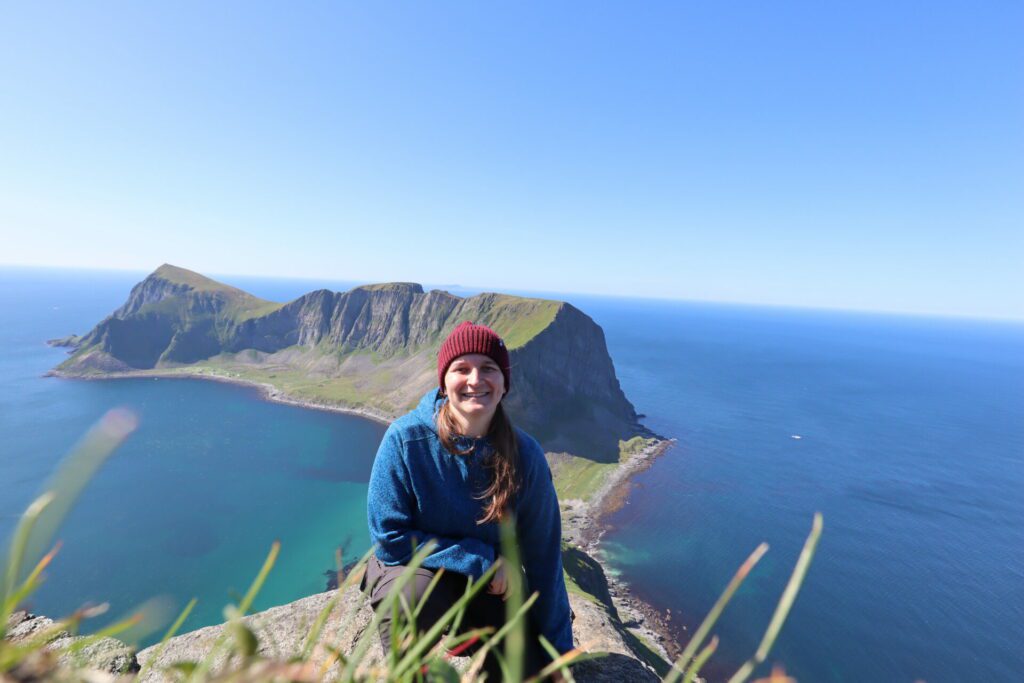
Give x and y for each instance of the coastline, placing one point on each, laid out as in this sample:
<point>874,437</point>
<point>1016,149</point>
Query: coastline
<point>267,391</point>
<point>581,523</point>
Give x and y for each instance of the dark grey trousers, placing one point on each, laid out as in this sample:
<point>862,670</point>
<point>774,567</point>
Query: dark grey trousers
<point>484,610</point>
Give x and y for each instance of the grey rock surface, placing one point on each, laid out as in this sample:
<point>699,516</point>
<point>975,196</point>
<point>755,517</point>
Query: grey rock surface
<point>281,633</point>
<point>107,654</point>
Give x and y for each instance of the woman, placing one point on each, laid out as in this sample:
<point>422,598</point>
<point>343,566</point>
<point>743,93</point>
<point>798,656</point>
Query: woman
<point>449,471</point>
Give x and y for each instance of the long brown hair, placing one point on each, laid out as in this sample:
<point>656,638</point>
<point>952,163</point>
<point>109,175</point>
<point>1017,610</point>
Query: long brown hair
<point>503,462</point>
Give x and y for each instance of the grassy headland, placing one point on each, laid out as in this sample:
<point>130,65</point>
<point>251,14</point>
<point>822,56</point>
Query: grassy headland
<point>369,350</point>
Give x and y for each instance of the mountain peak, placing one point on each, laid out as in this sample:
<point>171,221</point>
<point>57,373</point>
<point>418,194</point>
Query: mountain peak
<point>183,276</point>
<point>397,287</point>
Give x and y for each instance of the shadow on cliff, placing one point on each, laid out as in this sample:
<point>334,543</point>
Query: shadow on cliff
<point>588,576</point>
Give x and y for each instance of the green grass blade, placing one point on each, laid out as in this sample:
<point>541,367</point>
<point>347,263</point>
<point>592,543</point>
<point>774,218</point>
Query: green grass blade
<point>27,587</point>
<point>257,583</point>
<point>168,635</point>
<point>313,637</point>
<point>785,602</point>
<point>695,666</point>
<point>553,653</point>
<point>107,632</point>
<point>453,644</point>
<point>515,642</point>
<point>12,654</point>
<point>396,634</point>
<point>349,581</point>
<point>503,666</point>
<point>407,614</point>
<point>434,580</point>
<point>19,545</point>
<point>236,613</point>
<point>563,661</point>
<point>453,640</point>
<point>514,623</point>
<point>426,641</point>
<point>386,605</point>
<point>75,471</point>
<point>716,610</point>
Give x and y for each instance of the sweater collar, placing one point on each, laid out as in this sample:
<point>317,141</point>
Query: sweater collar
<point>426,411</point>
<point>426,414</point>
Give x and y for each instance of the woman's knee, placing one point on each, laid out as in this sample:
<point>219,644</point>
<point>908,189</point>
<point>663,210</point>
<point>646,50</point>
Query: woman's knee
<point>383,580</point>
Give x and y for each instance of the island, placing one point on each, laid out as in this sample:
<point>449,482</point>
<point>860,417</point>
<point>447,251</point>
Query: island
<point>372,351</point>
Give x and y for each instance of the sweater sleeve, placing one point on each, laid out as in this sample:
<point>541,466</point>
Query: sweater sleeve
<point>390,508</point>
<point>540,542</point>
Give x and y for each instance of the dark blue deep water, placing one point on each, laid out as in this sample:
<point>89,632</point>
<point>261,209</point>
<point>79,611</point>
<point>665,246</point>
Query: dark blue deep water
<point>911,445</point>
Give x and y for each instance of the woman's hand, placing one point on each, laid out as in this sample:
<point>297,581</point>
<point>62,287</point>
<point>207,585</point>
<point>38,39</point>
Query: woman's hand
<point>499,582</point>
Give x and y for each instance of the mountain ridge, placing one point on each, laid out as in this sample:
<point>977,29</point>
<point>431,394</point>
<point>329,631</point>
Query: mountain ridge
<point>372,347</point>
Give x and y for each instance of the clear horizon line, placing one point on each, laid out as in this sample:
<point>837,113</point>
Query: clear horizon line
<point>723,302</point>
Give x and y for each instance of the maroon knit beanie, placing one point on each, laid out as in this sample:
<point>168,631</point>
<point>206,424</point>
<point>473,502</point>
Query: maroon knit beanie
<point>470,338</point>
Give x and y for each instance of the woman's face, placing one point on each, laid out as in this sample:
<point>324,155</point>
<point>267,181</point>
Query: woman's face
<point>475,387</point>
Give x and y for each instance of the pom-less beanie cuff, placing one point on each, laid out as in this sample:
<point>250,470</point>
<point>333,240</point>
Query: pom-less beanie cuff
<point>470,338</point>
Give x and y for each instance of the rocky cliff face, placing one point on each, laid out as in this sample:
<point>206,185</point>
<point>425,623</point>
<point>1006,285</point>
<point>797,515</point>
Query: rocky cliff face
<point>173,316</point>
<point>386,319</point>
<point>373,346</point>
<point>572,406</point>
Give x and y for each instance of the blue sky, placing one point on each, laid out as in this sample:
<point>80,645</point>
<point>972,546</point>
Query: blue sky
<point>869,155</point>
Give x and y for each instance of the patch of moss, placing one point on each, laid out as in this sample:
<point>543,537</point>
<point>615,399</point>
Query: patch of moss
<point>516,319</point>
<point>579,478</point>
<point>634,446</point>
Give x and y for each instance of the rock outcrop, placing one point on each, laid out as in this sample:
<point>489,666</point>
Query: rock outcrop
<point>106,654</point>
<point>281,632</point>
<point>373,347</point>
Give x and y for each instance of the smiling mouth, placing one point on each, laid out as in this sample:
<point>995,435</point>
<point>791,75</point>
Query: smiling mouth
<point>479,394</point>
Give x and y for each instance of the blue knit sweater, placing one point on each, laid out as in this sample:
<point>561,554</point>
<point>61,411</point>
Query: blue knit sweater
<point>419,491</point>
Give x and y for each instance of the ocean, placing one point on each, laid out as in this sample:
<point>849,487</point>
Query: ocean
<point>905,432</point>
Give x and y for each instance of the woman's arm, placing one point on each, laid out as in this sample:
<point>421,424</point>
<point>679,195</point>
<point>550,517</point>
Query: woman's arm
<point>539,530</point>
<point>390,513</point>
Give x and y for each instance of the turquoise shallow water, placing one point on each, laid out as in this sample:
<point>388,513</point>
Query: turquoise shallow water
<point>190,505</point>
<point>912,445</point>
